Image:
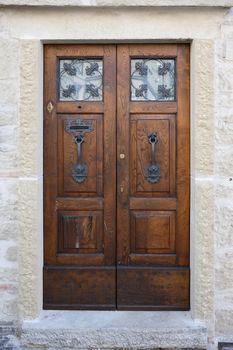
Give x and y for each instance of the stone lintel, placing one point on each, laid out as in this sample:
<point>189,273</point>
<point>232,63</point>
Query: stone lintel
<point>119,3</point>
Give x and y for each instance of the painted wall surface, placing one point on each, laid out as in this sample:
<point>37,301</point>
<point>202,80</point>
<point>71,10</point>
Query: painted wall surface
<point>22,34</point>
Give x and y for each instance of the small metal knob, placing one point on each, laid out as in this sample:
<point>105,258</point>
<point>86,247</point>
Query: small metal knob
<point>122,156</point>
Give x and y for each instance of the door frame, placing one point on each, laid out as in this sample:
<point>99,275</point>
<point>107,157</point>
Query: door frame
<point>32,51</point>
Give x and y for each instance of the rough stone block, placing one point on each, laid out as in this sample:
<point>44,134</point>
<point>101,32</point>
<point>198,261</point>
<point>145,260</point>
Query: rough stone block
<point>223,189</point>
<point>8,275</point>
<point>202,123</point>
<point>8,305</point>
<point>224,224</point>
<point>229,49</point>
<point>224,299</point>
<point>223,269</point>
<point>225,77</point>
<point>29,247</point>
<point>9,92</point>
<point>224,161</point>
<point>8,115</point>
<point>9,227</point>
<point>202,244</point>
<point>4,25</point>
<point>8,337</point>
<point>9,59</point>
<point>12,253</point>
<point>29,110</point>
<point>225,99</point>
<point>8,199</point>
<point>224,126</point>
<point>5,246</point>
<point>224,323</point>
<point>8,147</point>
<point>114,330</point>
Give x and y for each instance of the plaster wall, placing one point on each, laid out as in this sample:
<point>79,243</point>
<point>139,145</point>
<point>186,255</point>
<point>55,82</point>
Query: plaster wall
<point>22,34</point>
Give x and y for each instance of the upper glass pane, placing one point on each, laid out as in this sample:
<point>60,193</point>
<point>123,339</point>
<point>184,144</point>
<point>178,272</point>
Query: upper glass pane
<point>81,80</point>
<point>152,79</point>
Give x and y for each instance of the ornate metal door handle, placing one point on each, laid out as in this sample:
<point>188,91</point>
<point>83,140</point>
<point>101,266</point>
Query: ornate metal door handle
<point>79,172</point>
<point>78,128</point>
<point>153,171</point>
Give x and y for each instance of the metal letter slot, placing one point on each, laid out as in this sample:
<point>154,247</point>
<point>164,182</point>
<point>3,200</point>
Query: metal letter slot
<point>78,128</point>
<point>153,171</point>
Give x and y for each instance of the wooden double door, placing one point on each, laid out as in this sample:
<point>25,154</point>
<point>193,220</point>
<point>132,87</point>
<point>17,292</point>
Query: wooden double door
<point>116,177</point>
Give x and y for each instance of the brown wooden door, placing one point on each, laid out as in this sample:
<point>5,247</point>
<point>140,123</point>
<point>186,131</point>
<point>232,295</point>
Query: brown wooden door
<point>116,137</point>
<point>79,190</point>
<point>153,203</point>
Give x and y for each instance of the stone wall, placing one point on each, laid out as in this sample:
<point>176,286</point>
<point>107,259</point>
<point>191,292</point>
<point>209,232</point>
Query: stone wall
<point>223,171</point>
<point>9,128</point>
<point>22,33</point>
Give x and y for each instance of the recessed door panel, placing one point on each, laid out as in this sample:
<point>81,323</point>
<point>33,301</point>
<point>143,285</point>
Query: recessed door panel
<point>152,232</point>
<point>147,153</point>
<point>80,160</point>
<point>80,232</point>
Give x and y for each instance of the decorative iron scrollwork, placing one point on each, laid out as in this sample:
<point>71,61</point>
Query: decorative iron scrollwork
<point>80,80</point>
<point>164,67</point>
<point>78,128</point>
<point>68,91</point>
<point>69,68</point>
<point>92,90</point>
<point>164,92</point>
<point>141,90</point>
<point>141,68</point>
<point>153,79</point>
<point>153,173</point>
<point>94,67</point>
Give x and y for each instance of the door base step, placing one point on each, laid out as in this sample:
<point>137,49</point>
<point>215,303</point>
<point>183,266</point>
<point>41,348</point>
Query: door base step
<point>109,330</point>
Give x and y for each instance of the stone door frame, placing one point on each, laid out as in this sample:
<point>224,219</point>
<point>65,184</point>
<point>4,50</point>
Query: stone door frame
<point>30,209</point>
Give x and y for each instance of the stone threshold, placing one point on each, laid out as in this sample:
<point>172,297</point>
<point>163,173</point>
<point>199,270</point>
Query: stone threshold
<point>113,330</point>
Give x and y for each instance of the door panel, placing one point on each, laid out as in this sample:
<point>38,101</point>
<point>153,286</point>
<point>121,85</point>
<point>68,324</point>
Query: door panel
<point>116,142</point>
<point>153,176</point>
<point>80,232</point>
<point>141,127</point>
<point>79,176</point>
<point>153,288</point>
<point>152,232</point>
<point>80,288</point>
<point>91,152</point>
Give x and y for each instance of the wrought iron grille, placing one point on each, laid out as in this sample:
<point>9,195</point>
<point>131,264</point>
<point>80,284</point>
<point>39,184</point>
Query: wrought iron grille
<point>153,79</point>
<point>81,80</point>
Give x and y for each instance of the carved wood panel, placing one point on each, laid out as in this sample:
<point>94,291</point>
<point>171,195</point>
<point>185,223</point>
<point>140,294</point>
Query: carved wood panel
<point>141,127</point>
<point>80,232</point>
<point>91,153</point>
<point>152,232</point>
